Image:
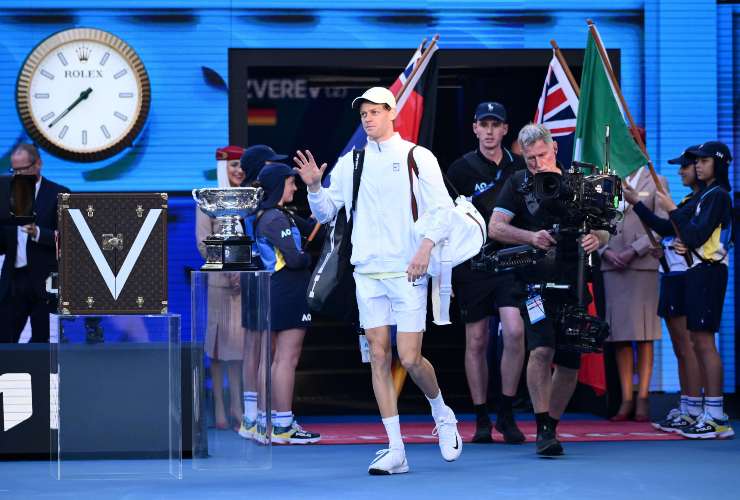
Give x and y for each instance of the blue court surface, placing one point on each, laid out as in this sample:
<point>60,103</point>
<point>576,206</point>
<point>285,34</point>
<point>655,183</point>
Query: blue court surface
<point>597,470</point>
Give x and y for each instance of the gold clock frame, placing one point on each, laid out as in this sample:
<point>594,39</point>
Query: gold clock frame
<point>31,65</point>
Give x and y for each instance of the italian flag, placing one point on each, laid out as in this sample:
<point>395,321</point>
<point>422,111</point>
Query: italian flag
<point>599,106</point>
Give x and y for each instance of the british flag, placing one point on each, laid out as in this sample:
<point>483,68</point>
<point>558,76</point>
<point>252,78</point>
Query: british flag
<point>557,109</point>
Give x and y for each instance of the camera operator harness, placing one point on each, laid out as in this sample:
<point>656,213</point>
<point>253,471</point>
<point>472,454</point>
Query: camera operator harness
<point>585,203</point>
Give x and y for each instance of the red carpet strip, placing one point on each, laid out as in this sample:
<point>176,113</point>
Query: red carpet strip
<point>568,431</point>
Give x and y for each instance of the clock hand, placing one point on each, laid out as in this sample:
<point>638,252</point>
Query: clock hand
<point>83,95</point>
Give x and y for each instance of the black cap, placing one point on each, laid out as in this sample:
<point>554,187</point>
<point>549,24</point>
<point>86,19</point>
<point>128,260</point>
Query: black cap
<point>686,158</point>
<point>254,159</point>
<point>712,149</point>
<point>490,110</point>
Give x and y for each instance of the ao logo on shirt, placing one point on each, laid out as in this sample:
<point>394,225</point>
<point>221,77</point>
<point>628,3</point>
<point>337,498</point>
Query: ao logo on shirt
<point>482,186</point>
<point>285,233</point>
<point>306,317</point>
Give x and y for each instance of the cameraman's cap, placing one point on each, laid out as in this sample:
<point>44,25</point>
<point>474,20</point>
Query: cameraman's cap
<point>686,158</point>
<point>712,149</point>
<point>375,95</point>
<point>490,110</point>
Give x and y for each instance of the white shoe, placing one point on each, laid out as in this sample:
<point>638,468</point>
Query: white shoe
<point>389,461</point>
<point>450,442</point>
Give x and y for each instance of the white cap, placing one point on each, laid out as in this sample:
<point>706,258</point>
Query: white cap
<point>376,95</point>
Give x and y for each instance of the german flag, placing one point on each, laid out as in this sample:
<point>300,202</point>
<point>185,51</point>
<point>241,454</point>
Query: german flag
<point>261,117</point>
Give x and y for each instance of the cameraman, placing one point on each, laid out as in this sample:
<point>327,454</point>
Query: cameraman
<point>521,217</point>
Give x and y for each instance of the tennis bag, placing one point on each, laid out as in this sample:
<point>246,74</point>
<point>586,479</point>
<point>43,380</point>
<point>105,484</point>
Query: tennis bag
<point>465,235</point>
<point>331,290</point>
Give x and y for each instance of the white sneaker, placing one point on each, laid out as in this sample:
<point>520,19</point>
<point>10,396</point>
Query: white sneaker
<point>450,442</point>
<point>389,461</point>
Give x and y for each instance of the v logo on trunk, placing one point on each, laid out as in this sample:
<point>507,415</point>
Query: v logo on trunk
<point>115,282</point>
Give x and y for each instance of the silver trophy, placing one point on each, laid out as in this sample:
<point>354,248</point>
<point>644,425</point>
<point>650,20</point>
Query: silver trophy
<point>227,249</point>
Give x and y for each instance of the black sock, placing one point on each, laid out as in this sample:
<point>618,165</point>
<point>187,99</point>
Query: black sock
<point>554,423</point>
<point>506,404</point>
<point>481,414</point>
<point>543,421</point>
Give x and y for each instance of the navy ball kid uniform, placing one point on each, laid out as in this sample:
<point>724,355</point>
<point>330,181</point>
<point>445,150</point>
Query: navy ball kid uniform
<point>707,231</point>
<point>279,244</point>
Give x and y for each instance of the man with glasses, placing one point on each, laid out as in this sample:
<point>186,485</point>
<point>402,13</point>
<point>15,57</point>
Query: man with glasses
<point>30,255</point>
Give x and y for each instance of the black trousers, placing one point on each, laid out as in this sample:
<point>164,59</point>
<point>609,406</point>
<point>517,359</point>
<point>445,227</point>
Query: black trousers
<point>26,299</point>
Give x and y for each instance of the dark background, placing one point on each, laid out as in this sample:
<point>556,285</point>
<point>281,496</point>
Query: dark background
<point>466,77</point>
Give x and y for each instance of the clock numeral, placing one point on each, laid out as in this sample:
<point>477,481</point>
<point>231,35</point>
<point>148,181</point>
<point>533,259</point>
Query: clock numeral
<point>47,117</point>
<point>40,96</point>
<point>62,58</point>
<point>84,137</point>
<point>126,95</point>
<point>104,129</point>
<point>120,116</point>
<point>120,74</point>
<point>104,59</point>
<point>63,132</point>
<point>47,74</point>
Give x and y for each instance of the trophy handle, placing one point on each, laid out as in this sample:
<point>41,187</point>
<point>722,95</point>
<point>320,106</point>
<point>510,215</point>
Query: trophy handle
<point>195,194</point>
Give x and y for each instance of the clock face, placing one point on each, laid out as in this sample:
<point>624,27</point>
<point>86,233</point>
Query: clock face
<point>83,94</point>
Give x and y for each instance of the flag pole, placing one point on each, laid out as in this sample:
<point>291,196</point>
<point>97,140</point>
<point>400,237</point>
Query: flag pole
<point>422,58</point>
<point>633,129</point>
<point>398,372</point>
<point>564,64</point>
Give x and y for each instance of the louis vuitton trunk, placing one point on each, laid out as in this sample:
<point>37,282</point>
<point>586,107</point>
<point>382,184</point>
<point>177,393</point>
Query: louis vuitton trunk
<point>112,253</point>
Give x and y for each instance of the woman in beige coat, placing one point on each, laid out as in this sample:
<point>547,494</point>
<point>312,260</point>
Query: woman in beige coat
<point>630,271</point>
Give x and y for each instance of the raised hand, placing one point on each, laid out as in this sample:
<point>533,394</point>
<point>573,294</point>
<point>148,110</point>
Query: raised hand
<point>310,173</point>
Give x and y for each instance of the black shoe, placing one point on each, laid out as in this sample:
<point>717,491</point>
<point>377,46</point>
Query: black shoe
<point>548,444</point>
<point>482,433</point>
<point>506,425</point>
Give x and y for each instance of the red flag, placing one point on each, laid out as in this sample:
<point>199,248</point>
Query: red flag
<point>417,103</point>
<point>592,371</point>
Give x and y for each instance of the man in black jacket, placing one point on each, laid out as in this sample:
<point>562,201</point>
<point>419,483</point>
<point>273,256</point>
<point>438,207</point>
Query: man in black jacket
<point>30,256</point>
<point>480,174</point>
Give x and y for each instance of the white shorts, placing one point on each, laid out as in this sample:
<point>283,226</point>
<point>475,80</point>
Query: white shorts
<point>392,301</point>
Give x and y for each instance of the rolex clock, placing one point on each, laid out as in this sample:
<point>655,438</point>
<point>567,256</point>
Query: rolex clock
<point>83,94</point>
